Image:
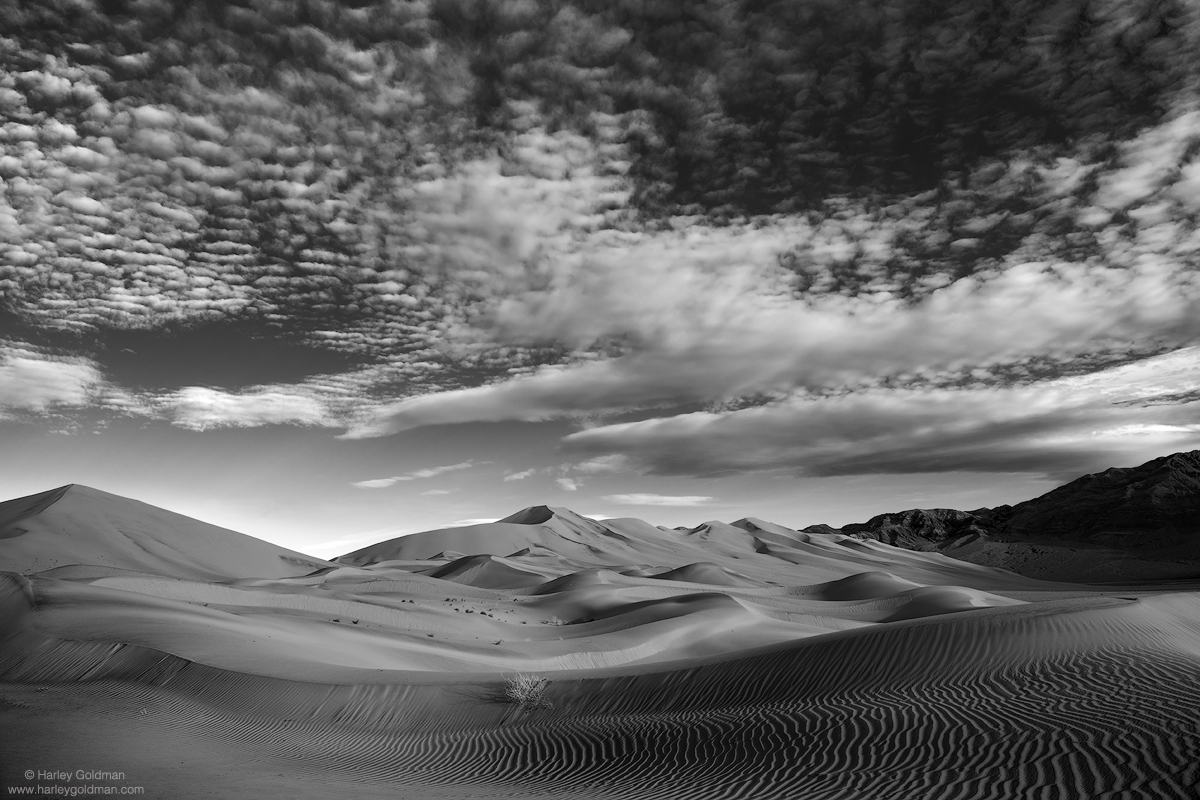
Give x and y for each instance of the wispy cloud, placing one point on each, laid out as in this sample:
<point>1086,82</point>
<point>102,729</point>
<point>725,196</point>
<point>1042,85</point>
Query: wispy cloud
<point>1059,427</point>
<point>569,484</point>
<point>199,409</point>
<point>601,464</point>
<point>420,474</point>
<point>519,476</point>
<point>646,499</point>
<point>375,483</point>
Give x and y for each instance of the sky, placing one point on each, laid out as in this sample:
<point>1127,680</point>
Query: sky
<point>332,272</point>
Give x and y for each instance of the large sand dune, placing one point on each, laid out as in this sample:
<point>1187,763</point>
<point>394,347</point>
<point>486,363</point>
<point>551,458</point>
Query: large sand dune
<point>80,525</point>
<point>728,660</point>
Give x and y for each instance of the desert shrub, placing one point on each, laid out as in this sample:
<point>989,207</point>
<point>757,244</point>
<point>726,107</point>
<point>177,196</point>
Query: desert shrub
<point>526,690</point>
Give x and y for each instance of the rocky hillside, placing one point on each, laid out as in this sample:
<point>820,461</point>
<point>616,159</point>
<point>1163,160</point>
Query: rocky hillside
<point>1161,498</point>
<point>919,528</point>
<point>1147,512</point>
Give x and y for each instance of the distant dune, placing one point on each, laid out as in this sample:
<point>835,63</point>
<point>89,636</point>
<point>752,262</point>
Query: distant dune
<point>740,660</point>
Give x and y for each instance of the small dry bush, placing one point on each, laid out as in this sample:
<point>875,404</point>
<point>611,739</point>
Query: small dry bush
<point>526,690</point>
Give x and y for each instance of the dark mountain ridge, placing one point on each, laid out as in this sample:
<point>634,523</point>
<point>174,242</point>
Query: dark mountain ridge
<point>1151,511</point>
<point>1159,497</point>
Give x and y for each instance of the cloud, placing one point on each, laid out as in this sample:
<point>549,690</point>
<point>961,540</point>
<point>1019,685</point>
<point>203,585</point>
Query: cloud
<point>1125,414</point>
<point>518,250</point>
<point>32,382</point>
<point>519,476</point>
<point>1147,163</point>
<point>644,499</point>
<point>433,492</point>
<point>569,484</point>
<point>375,483</point>
<point>199,409</point>
<point>698,344</point>
<point>420,474</point>
<point>433,472</point>
<point>609,463</point>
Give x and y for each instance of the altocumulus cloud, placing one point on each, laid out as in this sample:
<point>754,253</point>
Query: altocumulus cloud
<point>532,211</point>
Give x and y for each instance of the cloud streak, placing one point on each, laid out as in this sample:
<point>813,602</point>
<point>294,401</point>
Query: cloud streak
<point>199,409</point>
<point>648,499</point>
<point>420,474</point>
<point>1058,428</point>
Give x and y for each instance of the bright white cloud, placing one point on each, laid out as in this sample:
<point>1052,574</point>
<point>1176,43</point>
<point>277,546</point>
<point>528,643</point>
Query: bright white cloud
<point>33,383</point>
<point>568,484</point>
<point>647,499</point>
<point>519,476</point>
<point>199,408</point>
<point>375,483</point>
<point>1148,162</point>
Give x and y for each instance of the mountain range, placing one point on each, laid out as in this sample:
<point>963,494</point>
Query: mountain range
<point>1123,523</point>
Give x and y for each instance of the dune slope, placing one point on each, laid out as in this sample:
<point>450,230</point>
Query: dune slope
<point>80,525</point>
<point>1091,698</point>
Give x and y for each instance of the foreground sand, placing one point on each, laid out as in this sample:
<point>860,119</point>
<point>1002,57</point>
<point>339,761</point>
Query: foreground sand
<point>782,665</point>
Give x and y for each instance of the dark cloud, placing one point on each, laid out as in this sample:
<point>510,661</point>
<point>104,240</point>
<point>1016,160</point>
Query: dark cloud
<point>765,107</point>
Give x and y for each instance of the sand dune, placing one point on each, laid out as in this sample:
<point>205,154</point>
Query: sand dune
<point>80,525</point>
<point>739,660</point>
<point>488,572</point>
